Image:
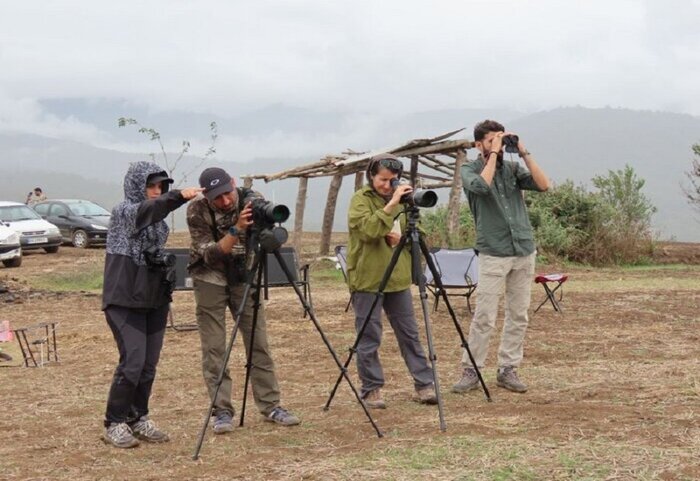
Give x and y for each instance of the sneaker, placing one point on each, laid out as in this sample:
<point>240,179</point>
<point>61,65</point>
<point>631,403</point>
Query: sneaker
<point>426,395</point>
<point>119,435</point>
<point>507,377</point>
<point>469,381</point>
<point>373,400</point>
<point>281,416</point>
<point>223,422</point>
<point>146,430</point>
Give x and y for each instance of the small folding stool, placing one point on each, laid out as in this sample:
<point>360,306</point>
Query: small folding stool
<point>35,345</point>
<point>558,281</point>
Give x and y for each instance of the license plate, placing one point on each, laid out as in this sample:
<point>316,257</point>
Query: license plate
<point>38,240</point>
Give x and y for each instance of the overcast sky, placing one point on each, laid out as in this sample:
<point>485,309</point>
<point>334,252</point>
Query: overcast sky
<point>223,57</point>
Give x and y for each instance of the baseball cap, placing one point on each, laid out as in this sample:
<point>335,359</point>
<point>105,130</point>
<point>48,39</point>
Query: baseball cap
<point>215,182</point>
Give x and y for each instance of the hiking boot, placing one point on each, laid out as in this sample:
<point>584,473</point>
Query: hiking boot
<point>507,377</point>
<point>119,435</point>
<point>223,422</point>
<point>281,416</point>
<point>146,430</point>
<point>469,381</point>
<point>426,395</point>
<point>373,400</point>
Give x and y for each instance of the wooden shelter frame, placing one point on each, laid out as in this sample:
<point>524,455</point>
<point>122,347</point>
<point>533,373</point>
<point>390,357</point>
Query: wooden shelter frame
<point>438,154</point>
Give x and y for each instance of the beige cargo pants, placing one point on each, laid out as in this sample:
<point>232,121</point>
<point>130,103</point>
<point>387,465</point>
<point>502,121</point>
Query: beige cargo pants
<point>515,274</point>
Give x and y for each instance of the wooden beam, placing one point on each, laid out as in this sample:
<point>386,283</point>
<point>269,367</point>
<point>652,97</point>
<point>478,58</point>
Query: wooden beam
<point>438,148</point>
<point>359,179</point>
<point>299,214</point>
<point>453,202</point>
<point>327,227</point>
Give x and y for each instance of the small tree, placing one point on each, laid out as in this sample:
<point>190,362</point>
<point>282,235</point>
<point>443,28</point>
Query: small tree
<point>692,192</point>
<point>172,166</point>
<point>622,190</point>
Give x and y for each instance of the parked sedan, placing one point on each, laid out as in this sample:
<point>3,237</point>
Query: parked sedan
<point>81,222</point>
<point>34,232</point>
<point>10,250</point>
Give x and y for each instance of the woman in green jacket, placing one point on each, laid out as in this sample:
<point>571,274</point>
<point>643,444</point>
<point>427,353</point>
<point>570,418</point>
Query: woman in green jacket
<point>375,224</point>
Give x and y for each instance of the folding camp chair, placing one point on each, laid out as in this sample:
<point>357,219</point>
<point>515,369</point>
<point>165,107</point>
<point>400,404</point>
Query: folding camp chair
<point>341,253</point>
<point>183,282</point>
<point>459,271</point>
<point>276,277</point>
<point>545,280</point>
<point>35,340</point>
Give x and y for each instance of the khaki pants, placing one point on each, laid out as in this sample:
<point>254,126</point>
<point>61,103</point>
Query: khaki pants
<point>495,273</point>
<point>212,301</point>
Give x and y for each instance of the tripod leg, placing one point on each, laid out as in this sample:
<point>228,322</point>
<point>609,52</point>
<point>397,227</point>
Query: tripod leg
<point>380,292</point>
<point>465,345</point>
<point>249,360</point>
<point>415,259</point>
<point>342,368</point>
<point>237,319</point>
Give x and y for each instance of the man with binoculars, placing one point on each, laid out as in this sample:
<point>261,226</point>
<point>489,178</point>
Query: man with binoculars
<point>506,247</point>
<point>219,222</point>
<point>375,228</point>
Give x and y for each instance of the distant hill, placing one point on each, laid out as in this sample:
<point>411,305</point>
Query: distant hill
<point>569,143</point>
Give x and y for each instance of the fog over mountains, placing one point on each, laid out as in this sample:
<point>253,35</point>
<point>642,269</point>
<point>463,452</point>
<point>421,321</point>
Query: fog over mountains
<point>569,143</point>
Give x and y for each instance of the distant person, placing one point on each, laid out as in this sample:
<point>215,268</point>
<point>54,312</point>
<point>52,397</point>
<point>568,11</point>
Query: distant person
<point>136,297</point>
<point>506,247</point>
<point>35,197</point>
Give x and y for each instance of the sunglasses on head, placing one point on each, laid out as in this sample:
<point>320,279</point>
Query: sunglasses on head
<point>392,164</point>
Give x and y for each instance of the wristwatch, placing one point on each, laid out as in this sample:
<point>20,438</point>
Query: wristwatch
<point>233,230</point>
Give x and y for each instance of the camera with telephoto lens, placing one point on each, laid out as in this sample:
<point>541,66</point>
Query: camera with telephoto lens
<point>511,143</point>
<point>418,198</point>
<point>265,215</point>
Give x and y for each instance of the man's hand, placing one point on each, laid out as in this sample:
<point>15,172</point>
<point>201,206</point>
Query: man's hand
<point>398,193</point>
<point>245,218</point>
<point>496,144</point>
<point>190,193</point>
<point>392,238</point>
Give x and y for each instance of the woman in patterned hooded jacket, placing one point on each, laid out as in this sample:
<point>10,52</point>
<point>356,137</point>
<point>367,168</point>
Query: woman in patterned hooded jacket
<point>136,297</point>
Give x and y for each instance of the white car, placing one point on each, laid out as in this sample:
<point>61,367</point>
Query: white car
<point>10,249</point>
<point>34,232</point>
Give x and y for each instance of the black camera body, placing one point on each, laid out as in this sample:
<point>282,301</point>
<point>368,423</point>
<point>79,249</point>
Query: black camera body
<point>418,198</point>
<point>165,261</point>
<point>155,257</point>
<point>511,143</point>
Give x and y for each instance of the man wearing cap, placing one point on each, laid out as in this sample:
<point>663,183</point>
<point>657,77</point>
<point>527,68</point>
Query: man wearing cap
<point>218,223</point>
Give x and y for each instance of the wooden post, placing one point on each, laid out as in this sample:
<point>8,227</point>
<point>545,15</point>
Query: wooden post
<point>327,228</point>
<point>299,214</point>
<point>247,182</point>
<point>454,200</point>
<point>359,179</point>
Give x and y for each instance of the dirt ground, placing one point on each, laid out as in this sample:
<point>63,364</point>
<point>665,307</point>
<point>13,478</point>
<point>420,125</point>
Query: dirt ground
<point>614,389</point>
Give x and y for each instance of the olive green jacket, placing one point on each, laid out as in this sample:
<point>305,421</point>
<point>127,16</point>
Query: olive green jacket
<point>368,252</point>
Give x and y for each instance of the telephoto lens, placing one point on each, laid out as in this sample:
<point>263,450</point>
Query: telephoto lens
<point>419,197</point>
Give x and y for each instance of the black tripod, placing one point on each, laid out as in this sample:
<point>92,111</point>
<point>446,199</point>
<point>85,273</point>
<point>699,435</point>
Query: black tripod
<point>258,267</point>
<point>414,236</point>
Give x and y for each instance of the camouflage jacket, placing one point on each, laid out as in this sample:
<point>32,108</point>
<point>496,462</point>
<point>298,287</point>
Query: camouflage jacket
<point>207,260</point>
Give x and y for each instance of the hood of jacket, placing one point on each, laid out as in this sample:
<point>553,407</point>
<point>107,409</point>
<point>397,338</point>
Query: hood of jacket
<point>123,238</point>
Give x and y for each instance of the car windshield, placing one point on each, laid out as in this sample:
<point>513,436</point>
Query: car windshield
<point>14,213</point>
<point>86,208</point>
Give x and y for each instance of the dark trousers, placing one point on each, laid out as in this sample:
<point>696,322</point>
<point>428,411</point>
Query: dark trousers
<point>399,309</point>
<point>139,336</point>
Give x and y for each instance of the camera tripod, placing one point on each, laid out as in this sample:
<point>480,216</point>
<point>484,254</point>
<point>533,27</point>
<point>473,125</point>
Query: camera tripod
<point>417,247</point>
<point>254,280</point>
